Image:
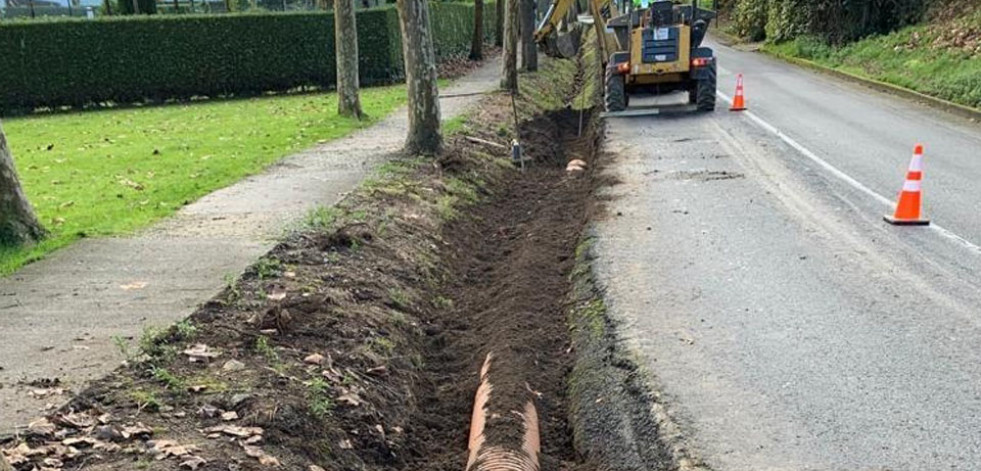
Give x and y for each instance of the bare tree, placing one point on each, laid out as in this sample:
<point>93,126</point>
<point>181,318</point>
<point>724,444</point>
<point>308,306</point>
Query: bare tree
<point>346,47</point>
<point>420,77</point>
<point>499,23</point>
<point>509,73</point>
<point>477,41</point>
<point>18,224</point>
<point>529,50</point>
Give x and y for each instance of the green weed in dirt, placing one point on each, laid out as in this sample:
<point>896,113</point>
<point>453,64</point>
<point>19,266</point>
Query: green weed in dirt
<point>115,171</point>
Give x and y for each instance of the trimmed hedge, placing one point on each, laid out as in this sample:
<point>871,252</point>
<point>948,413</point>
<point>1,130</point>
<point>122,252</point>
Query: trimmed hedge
<point>132,59</point>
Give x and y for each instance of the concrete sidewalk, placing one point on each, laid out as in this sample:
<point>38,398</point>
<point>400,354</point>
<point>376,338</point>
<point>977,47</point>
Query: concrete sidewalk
<point>58,316</point>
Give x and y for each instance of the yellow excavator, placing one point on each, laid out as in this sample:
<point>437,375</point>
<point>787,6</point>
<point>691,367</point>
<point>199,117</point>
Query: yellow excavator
<point>655,49</point>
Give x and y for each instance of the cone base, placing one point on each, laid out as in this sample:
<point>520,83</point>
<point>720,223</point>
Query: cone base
<point>906,222</point>
<point>738,109</point>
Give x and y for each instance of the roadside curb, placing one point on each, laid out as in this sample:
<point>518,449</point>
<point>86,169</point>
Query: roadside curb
<point>617,414</point>
<point>973,114</point>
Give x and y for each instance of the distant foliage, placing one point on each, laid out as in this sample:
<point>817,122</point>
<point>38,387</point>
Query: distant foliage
<point>837,21</point>
<point>147,7</point>
<point>154,58</point>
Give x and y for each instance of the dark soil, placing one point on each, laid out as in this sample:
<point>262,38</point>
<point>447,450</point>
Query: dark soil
<point>356,343</point>
<point>510,264</point>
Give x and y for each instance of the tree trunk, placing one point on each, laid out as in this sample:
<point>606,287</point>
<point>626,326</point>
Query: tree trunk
<point>420,77</point>
<point>4,465</point>
<point>529,50</point>
<point>509,73</point>
<point>18,225</point>
<point>477,42</point>
<point>346,48</point>
<point>499,23</point>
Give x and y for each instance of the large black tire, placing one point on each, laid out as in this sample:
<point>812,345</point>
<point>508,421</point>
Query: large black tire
<point>705,91</point>
<point>616,91</point>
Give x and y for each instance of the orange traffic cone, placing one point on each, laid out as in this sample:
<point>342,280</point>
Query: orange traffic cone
<point>739,102</point>
<point>908,208</point>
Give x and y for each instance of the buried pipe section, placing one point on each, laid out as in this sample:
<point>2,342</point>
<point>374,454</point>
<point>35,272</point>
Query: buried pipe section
<point>483,456</point>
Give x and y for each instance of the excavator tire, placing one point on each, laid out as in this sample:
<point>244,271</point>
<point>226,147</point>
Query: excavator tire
<point>705,91</point>
<point>616,90</point>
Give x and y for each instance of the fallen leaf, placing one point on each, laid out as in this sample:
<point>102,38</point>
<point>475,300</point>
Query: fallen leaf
<point>53,463</point>
<point>257,453</point>
<point>201,352</point>
<point>346,444</point>
<point>253,439</point>
<point>234,430</point>
<point>314,359</point>
<point>351,398</point>
<point>41,427</point>
<point>74,420</point>
<point>193,462</point>
<point>230,415</point>
<point>138,430</point>
<point>276,296</point>
<point>197,388</point>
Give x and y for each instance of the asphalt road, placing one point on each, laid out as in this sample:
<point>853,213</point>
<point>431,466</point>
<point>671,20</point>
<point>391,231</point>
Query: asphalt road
<point>786,325</point>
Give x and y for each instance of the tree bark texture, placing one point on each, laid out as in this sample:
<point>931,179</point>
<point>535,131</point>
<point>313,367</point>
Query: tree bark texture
<point>499,23</point>
<point>346,48</point>
<point>420,77</point>
<point>529,50</point>
<point>18,224</point>
<point>477,42</point>
<point>509,72</point>
<point>4,465</point>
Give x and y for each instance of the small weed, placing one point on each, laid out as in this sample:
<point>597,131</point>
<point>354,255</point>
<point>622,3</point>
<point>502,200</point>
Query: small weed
<point>124,348</point>
<point>186,330</point>
<point>231,283</point>
<point>267,268</point>
<point>165,377</point>
<point>440,302</point>
<point>446,207</point>
<point>145,400</point>
<point>263,348</point>
<point>321,218</point>
<point>321,405</point>
<point>384,345</point>
<point>398,298</point>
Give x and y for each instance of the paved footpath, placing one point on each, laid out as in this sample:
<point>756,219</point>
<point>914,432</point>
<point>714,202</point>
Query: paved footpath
<point>58,316</point>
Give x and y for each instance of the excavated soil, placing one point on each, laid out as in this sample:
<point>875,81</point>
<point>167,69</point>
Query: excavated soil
<point>356,343</point>
<point>510,264</point>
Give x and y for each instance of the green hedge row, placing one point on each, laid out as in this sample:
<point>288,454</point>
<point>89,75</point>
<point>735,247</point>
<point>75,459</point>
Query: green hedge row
<point>132,59</point>
<point>835,21</point>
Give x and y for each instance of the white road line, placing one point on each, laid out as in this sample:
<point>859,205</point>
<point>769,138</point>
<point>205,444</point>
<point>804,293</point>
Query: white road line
<point>844,176</point>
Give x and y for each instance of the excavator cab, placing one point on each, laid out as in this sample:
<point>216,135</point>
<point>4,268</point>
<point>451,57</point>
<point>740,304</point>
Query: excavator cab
<point>652,50</point>
<point>659,51</point>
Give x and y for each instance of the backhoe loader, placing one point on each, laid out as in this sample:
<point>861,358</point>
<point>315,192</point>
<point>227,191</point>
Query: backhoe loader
<point>652,50</point>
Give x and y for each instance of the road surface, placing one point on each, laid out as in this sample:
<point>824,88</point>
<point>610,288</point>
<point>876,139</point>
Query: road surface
<point>789,327</point>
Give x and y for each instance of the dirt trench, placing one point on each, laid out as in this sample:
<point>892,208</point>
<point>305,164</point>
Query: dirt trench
<point>510,262</point>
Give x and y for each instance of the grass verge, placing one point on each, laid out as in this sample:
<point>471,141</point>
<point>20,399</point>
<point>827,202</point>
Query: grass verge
<point>115,171</point>
<point>942,60</point>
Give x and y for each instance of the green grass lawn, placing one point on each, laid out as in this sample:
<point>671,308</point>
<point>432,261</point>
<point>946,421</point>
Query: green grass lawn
<point>930,59</point>
<point>111,172</point>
